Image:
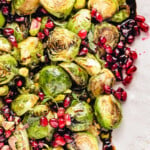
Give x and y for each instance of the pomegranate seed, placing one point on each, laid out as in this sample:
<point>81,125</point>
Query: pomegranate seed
<point>8,100</point>
<point>8,133</point>
<point>133,55</point>
<point>83,51</point>
<point>53,122</point>
<point>118,95</point>
<point>136,30</point>
<point>102,40</point>
<point>1,130</point>
<point>118,75</point>
<point>41,35</point>
<point>129,63</point>
<point>61,112</point>
<point>67,102</point>
<point>6,110</point>
<point>61,123</point>
<point>127,80</point>
<point>99,18</point>
<point>108,50</point>
<point>39,19</point>
<point>140,18</point>
<point>46,32</point>
<point>13,41</point>
<point>118,27</point>
<point>131,23</point>
<point>68,138</point>
<point>130,39</point>
<point>131,69</point>
<point>43,11</point>
<point>109,58</point>
<point>41,95</point>
<point>127,51</point>
<point>93,12</point>
<point>11,118</point>
<point>34,144</point>
<point>120,45</point>
<point>106,65</point>
<point>125,32</point>
<point>116,52</point>
<point>107,89</point>
<point>1,144</point>
<point>60,141</point>
<point>5,10</point>
<point>124,96</point>
<point>144,27</point>
<point>2,138</point>
<point>54,144</point>
<point>82,34</point>
<point>49,25</point>
<point>20,19</point>
<point>56,135</point>
<point>84,43</point>
<point>41,144</point>
<point>43,121</point>
<point>67,119</point>
<point>8,31</point>
<point>19,83</point>
<point>114,66</point>
<point>120,89</point>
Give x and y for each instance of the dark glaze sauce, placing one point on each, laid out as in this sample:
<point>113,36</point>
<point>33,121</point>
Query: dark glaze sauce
<point>107,144</point>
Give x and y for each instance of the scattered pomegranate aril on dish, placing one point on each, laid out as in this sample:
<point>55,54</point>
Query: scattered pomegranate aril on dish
<point>82,34</point>
<point>43,121</point>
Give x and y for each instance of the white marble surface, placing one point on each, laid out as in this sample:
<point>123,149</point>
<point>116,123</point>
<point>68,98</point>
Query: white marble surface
<point>134,132</point>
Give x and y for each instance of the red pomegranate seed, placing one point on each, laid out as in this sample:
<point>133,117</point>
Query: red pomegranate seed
<point>118,75</point>
<point>13,41</point>
<point>1,130</point>
<point>68,138</point>
<point>1,144</point>
<point>60,141</point>
<point>67,102</point>
<point>82,34</point>
<point>61,123</point>
<point>20,19</point>
<point>118,27</point>
<point>67,119</point>
<point>109,58</point>
<point>120,45</point>
<point>39,19</point>
<point>8,100</point>
<point>106,64</point>
<point>84,43</point>
<point>41,144</point>
<point>34,144</point>
<point>56,135</point>
<point>41,35</point>
<point>102,40</point>
<point>46,32</point>
<point>5,10</point>
<point>43,11</point>
<point>144,27</point>
<point>83,51</point>
<point>54,144</point>
<point>129,63</point>
<point>41,95</point>
<point>133,55</point>
<point>61,112</point>
<point>93,12</point>
<point>131,70</point>
<point>43,121</point>
<point>2,138</point>
<point>140,18</point>
<point>127,51</point>
<point>127,80</point>
<point>53,122</point>
<point>19,83</point>
<point>130,39</point>
<point>108,50</point>
<point>136,30</point>
<point>120,89</point>
<point>114,66</point>
<point>124,96</point>
<point>118,95</point>
<point>116,52</point>
<point>107,89</point>
<point>8,31</point>
<point>8,133</point>
<point>49,25</point>
<point>11,118</point>
<point>99,18</point>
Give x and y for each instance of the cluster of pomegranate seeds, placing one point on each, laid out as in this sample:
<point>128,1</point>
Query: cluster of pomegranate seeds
<point>41,95</point>
<point>37,144</point>
<point>96,15</point>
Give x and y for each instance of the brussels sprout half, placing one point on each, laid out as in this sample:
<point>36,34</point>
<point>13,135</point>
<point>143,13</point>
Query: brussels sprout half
<point>79,4</point>
<point>108,111</point>
<point>63,44</point>
<point>81,20</point>
<point>79,75</point>
<point>23,103</point>
<point>58,8</point>
<point>4,90</point>
<point>2,19</point>
<point>106,8</point>
<point>81,114</point>
<point>29,52</point>
<point>8,68</point>
<point>54,80</point>
<point>89,63</point>
<point>97,82</point>
<point>83,141</point>
<point>25,7</point>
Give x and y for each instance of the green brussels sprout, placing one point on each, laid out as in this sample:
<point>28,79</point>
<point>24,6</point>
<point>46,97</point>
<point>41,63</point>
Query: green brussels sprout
<point>89,63</point>
<point>81,20</point>
<point>29,52</point>
<point>2,19</point>
<point>19,140</point>
<point>24,103</point>
<point>35,130</point>
<point>81,114</point>
<point>5,46</point>
<point>25,7</point>
<point>97,82</point>
<point>4,90</point>
<point>19,35</point>
<point>106,8</point>
<point>63,44</point>
<point>83,141</point>
<point>59,8</point>
<point>54,80</point>
<point>79,4</point>
<point>79,75</point>
<point>8,68</point>
<point>35,27</point>
<point>108,111</point>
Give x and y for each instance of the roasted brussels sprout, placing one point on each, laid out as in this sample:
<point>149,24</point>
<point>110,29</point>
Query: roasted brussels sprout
<point>81,114</point>
<point>8,68</point>
<point>29,52</point>
<point>35,130</point>
<point>54,80</point>
<point>23,103</point>
<point>121,2</point>
<point>35,27</point>
<point>63,44</point>
<point>2,19</point>
<point>97,82</point>
<point>79,4</point>
<point>4,90</point>
<point>19,139</point>
<point>59,8</point>
<point>83,141</point>
<point>81,20</point>
<point>25,7</point>
<point>5,46</point>
<point>79,75</point>
<point>108,111</point>
<point>89,63</point>
<point>106,8</point>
